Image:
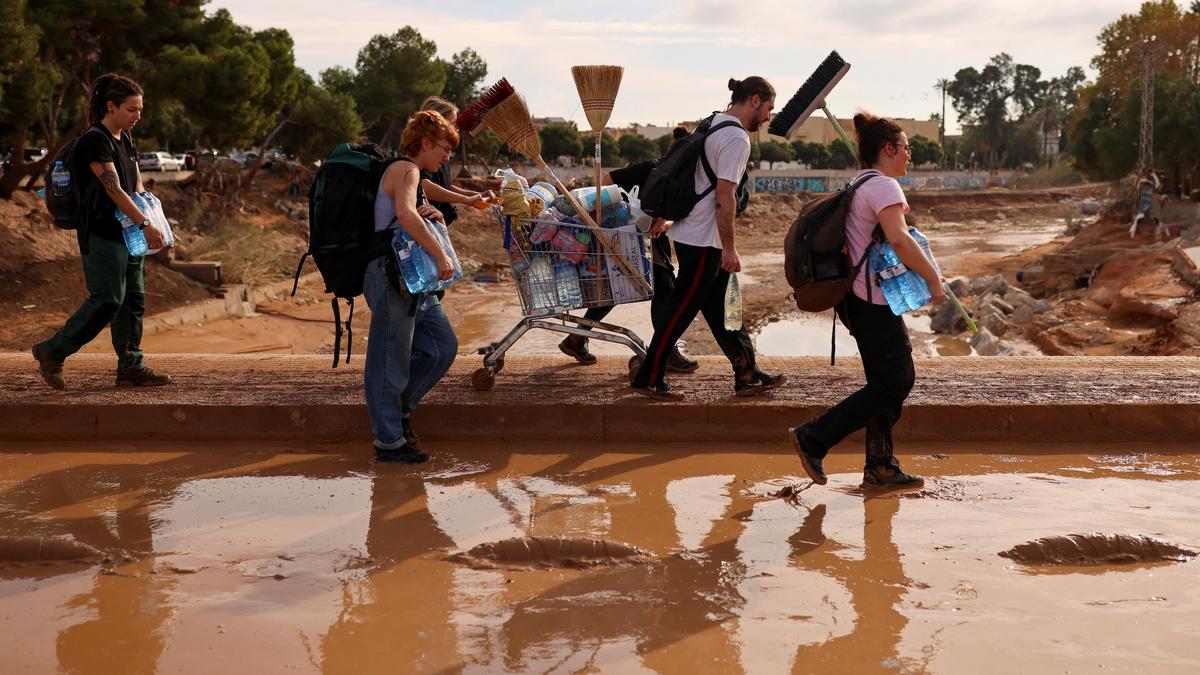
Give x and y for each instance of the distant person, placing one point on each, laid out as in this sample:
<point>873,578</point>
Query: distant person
<point>438,185</point>
<point>106,159</point>
<point>635,175</point>
<point>411,343</point>
<point>1147,185</point>
<point>882,337</point>
<point>705,247</point>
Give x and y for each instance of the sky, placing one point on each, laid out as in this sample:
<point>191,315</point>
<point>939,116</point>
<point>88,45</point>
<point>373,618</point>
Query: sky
<point>678,56</point>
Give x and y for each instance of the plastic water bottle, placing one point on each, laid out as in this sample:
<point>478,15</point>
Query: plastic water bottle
<point>158,217</point>
<point>418,266</point>
<point>904,289</point>
<point>733,304</point>
<point>135,239</point>
<point>60,180</point>
<point>540,281</point>
<point>617,216</point>
<point>566,279</point>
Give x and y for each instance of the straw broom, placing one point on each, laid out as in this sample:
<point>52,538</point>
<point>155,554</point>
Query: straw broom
<point>597,87</point>
<point>510,119</point>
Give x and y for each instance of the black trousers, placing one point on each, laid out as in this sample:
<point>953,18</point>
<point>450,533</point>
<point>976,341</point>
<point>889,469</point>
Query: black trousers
<point>699,288</point>
<point>887,362</point>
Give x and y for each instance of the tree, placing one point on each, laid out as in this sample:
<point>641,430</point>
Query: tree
<point>393,74</point>
<point>924,151</point>
<point>815,155</point>
<point>464,72</point>
<point>841,156</point>
<point>560,140</point>
<point>318,120</point>
<point>775,151</point>
<point>664,143</point>
<point>610,150</point>
<point>635,148</point>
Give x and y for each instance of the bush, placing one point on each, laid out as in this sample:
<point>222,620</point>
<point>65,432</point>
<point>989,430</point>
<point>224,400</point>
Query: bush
<point>1059,175</point>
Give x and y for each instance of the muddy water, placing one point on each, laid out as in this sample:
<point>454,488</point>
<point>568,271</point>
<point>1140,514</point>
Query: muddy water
<point>269,559</point>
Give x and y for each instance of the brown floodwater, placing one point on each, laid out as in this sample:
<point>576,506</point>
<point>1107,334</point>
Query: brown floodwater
<point>313,559</point>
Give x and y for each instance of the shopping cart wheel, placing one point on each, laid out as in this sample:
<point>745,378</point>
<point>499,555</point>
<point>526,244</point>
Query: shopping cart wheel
<point>500,365</point>
<point>635,364</point>
<point>483,379</point>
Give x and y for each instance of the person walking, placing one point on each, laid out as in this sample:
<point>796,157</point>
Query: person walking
<point>438,185</point>
<point>410,344</point>
<point>882,337</point>
<point>631,176</point>
<point>705,247</point>
<point>105,163</point>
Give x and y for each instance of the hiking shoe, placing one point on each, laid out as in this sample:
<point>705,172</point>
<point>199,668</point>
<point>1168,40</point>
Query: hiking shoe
<point>577,348</point>
<point>660,392</point>
<point>50,369</point>
<point>142,377</point>
<point>890,477</point>
<point>401,455</point>
<point>762,382</point>
<point>812,465</point>
<point>411,438</point>
<point>678,363</point>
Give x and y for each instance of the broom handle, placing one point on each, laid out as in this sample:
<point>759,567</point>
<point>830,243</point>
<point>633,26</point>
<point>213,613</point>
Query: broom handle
<point>962,310</point>
<point>599,201</point>
<point>587,219</point>
<point>841,132</point>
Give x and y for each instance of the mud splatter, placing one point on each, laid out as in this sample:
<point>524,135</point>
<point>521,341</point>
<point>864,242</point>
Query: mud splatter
<point>1097,549</point>
<point>552,552</point>
<point>45,549</point>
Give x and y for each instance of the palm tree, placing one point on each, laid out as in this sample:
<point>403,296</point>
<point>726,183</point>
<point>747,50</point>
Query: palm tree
<point>943,85</point>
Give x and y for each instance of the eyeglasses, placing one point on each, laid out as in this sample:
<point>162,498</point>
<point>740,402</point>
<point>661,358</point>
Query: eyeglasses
<point>448,151</point>
<point>903,145</point>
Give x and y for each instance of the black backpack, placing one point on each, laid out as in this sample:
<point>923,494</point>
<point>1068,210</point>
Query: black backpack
<point>816,256</point>
<point>341,227</point>
<point>670,189</point>
<point>70,209</point>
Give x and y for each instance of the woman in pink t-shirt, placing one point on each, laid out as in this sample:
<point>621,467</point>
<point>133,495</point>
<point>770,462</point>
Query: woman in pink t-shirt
<point>881,335</point>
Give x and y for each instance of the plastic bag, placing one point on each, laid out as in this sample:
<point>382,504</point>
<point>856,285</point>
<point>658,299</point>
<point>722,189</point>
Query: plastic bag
<point>637,217</point>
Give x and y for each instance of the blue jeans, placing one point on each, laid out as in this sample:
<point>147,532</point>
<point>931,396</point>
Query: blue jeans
<point>406,355</point>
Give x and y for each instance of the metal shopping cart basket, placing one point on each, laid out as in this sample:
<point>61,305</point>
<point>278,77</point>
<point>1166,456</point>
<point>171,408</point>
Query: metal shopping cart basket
<point>560,267</point>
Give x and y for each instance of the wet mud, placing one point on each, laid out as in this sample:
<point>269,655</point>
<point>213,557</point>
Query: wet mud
<point>45,549</point>
<point>1082,550</point>
<point>553,552</point>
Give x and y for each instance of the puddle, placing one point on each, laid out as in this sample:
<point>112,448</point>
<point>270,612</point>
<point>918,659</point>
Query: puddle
<point>1087,550</point>
<point>324,562</point>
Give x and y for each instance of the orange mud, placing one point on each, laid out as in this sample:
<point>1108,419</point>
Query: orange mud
<point>1097,549</point>
<point>253,558</point>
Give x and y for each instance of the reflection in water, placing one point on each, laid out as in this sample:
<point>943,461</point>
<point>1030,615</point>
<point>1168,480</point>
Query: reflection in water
<point>698,501</point>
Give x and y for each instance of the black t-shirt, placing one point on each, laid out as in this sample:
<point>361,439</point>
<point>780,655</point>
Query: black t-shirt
<point>633,175</point>
<point>442,178</point>
<point>98,145</point>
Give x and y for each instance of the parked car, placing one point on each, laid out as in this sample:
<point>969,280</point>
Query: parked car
<point>245,159</point>
<point>158,161</point>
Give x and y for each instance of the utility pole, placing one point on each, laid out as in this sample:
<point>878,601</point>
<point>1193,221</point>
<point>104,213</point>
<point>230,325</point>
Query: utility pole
<point>1151,51</point>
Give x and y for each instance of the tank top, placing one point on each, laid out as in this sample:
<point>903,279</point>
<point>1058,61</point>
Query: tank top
<point>385,204</point>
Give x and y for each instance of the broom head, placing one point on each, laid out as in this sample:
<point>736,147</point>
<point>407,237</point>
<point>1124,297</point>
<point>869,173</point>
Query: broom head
<point>471,117</point>
<point>809,97</point>
<point>511,121</point>
<point>597,87</point>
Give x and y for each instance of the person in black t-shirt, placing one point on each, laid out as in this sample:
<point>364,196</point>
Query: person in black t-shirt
<point>105,164</point>
<point>635,174</point>
<point>438,185</point>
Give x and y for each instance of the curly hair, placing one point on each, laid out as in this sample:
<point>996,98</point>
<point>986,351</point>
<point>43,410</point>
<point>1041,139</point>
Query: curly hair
<point>426,124</point>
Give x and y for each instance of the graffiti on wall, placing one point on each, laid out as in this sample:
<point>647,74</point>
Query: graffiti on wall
<point>950,181</point>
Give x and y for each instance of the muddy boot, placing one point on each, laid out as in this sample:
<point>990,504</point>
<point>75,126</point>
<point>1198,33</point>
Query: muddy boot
<point>890,477</point>
<point>659,392</point>
<point>576,347</point>
<point>50,369</point>
<point>678,363</point>
<point>411,438</point>
<point>401,455</point>
<point>142,377</point>
<point>811,463</point>
<point>761,383</point>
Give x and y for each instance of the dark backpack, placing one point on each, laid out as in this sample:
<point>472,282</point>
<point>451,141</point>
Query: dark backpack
<point>70,209</point>
<point>341,227</point>
<point>670,189</point>
<point>816,256</point>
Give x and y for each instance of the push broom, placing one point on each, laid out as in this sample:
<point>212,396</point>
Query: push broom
<point>597,87</point>
<point>811,96</point>
<point>503,110</point>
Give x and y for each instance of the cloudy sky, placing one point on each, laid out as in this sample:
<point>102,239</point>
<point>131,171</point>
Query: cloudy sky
<point>679,55</point>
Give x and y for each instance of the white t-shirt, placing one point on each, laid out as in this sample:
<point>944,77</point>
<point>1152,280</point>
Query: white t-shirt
<point>727,150</point>
<point>870,198</point>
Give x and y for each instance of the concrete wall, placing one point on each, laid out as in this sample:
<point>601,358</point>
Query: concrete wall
<point>800,180</point>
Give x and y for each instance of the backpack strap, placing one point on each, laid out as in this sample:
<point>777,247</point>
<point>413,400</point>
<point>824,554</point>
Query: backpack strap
<point>708,170</point>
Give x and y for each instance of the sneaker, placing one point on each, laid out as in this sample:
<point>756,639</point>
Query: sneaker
<point>762,382</point>
<point>890,477</point>
<point>142,377</point>
<point>401,455</point>
<point>678,363</point>
<point>660,392</point>
<point>411,438</point>
<point>577,348</point>
<point>50,369</point>
<point>812,465</point>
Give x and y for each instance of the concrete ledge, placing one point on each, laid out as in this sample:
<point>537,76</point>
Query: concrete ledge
<point>300,398</point>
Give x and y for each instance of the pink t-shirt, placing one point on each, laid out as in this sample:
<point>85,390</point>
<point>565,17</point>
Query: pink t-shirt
<point>870,198</point>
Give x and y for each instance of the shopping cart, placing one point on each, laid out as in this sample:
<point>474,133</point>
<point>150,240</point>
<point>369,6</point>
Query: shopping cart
<point>560,267</point>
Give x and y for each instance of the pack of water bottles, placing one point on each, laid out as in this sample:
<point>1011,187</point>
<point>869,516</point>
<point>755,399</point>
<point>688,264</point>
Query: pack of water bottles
<point>904,289</point>
<point>418,267</point>
<point>135,237</point>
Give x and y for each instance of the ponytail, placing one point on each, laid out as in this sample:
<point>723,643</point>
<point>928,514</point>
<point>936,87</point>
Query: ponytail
<point>873,134</point>
<point>107,88</point>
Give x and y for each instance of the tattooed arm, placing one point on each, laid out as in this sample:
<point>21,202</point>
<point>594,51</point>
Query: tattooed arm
<point>111,182</point>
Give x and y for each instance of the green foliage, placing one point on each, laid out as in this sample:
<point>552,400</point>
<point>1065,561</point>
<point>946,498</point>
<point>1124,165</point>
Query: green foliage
<point>560,140</point>
<point>464,72</point>
<point>610,150</point>
<point>319,120</point>
<point>775,151</point>
<point>486,144</point>
<point>816,155</point>
<point>664,143</point>
<point>393,74</point>
<point>841,156</point>
<point>925,151</point>
<point>635,148</point>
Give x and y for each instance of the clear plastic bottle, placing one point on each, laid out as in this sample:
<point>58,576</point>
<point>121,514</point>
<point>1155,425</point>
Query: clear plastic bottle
<point>733,304</point>
<point>158,217</point>
<point>418,266</point>
<point>905,290</point>
<point>566,279</point>
<point>540,280</point>
<point>60,180</point>
<point>135,239</point>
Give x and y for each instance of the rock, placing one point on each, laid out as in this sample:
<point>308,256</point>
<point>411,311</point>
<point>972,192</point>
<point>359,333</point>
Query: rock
<point>991,284</point>
<point>1041,307</point>
<point>1089,208</point>
<point>1017,297</point>
<point>987,344</point>
<point>960,286</point>
<point>944,318</point>
<point>994,321</point>
<point>1022,314</point>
